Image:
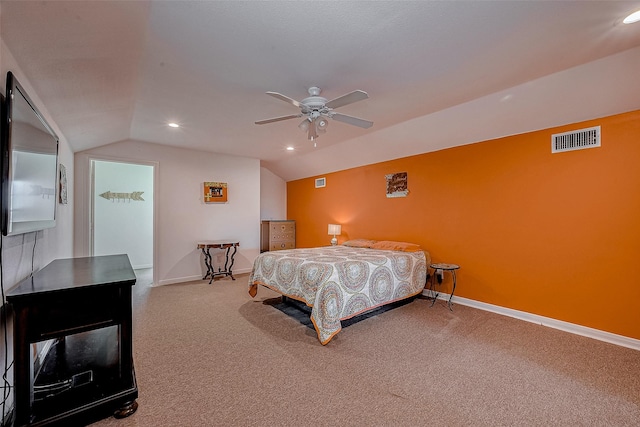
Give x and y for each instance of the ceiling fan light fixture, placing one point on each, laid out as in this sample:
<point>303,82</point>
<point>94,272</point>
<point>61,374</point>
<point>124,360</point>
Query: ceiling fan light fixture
<point>317,111</point>
<point>304,125</point>
<point>321,124</point>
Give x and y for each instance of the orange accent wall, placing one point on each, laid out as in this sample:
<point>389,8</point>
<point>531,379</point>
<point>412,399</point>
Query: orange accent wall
<point>557,235</point>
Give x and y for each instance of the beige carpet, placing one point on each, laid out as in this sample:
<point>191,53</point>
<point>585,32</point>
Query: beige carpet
<point>209,355</point>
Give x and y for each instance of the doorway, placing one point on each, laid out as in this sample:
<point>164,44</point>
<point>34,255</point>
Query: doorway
<point>122,213</point>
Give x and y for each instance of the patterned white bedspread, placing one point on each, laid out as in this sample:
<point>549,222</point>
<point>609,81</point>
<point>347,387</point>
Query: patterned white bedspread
<point>339,282</point>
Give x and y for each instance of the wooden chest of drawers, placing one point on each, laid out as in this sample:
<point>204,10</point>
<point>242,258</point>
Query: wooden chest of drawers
<point>276,235</point>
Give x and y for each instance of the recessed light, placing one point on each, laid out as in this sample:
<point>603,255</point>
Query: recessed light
<point>173,125</point>
<point>290,148</point>
<point>634,17</point>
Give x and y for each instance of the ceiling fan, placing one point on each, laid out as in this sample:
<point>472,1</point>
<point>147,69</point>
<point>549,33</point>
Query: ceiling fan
<point>317,110</point>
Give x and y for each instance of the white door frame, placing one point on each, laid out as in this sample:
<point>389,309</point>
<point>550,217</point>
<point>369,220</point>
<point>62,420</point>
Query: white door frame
<point>83,212</point>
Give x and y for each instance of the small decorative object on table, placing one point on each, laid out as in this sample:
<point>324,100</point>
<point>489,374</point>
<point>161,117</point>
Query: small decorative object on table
<point>442,267</point>
<point>206,246</point>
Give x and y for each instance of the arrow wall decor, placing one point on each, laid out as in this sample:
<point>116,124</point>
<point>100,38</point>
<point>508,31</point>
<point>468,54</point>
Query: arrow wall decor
<point>135,195</point>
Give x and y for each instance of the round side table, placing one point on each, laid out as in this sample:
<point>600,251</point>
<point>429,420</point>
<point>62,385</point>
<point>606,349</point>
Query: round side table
<point>444,267</point>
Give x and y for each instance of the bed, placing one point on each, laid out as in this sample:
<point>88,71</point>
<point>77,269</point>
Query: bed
<point>342,281</point>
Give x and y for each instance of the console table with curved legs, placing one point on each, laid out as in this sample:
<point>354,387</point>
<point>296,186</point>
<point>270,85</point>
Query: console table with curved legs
<point>206,245</point>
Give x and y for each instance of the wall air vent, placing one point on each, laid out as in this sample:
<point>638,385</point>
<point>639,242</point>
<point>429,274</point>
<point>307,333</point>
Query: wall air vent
<point>321,182</point>
<point>575,140</point>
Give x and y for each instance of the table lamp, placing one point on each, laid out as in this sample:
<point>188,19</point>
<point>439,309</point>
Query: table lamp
<point>335,230</point>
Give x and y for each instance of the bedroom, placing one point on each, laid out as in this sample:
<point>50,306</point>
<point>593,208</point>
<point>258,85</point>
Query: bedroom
<point>594,290</point>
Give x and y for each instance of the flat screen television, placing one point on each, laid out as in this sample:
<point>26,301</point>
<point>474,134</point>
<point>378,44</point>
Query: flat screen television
<point>29,164</point>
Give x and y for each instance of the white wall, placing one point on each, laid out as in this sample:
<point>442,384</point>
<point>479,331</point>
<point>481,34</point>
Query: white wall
<point>50,244</point>
<point>123,225</point>
<point>182,217</point>
<point>273,196</point>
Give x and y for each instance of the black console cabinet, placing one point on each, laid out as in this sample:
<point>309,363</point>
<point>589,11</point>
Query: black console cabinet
<point>84,306</point>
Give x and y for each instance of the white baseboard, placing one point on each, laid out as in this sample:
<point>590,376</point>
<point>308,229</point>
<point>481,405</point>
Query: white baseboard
<point>142,266</point>
<point>194,278</point>
<point>178,280</point>
<point>572,328</point>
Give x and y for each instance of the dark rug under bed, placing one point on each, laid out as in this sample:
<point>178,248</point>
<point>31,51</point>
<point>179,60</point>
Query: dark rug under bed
<point>302,313</point>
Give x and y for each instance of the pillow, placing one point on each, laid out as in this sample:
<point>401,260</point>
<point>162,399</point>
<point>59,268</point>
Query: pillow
<point>396,246</point>
<point>359,243</point>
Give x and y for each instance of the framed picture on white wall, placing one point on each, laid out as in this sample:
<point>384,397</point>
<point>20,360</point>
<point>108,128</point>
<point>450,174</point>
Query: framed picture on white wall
<point>215,192</point>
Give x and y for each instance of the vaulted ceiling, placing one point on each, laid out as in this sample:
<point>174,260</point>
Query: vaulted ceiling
<point>109,71</point>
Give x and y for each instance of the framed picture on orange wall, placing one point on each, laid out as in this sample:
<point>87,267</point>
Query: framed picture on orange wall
<point>397,185</point>
<point>215,192</point>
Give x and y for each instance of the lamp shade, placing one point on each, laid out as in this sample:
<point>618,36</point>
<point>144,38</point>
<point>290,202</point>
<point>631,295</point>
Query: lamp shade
<point>335,229</point>
<point>321,124</point>
<point>304,125</point>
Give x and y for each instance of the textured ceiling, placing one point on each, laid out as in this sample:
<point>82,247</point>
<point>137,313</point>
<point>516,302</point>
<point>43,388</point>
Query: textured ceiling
<point>109,71</point>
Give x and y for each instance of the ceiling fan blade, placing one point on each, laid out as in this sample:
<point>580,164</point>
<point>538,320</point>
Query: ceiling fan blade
<point>277,119</point>
<point>285,98</point>
<point>350,98</point>
<point>350,120</point>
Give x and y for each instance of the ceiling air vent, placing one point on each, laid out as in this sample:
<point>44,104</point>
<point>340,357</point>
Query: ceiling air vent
<point>575,140</point>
